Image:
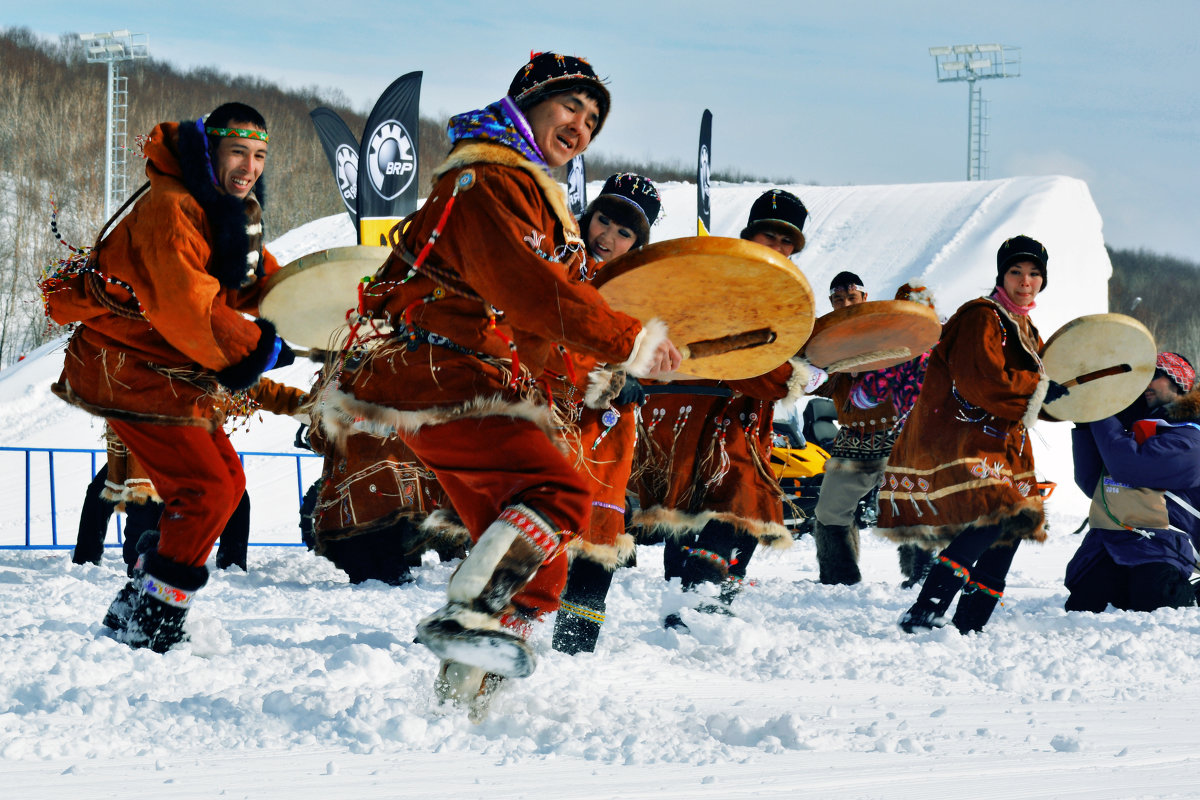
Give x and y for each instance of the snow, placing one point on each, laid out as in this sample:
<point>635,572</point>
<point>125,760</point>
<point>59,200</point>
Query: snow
<point>296,684</point>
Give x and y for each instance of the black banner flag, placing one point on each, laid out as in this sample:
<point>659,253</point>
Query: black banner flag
<point>387,160</point>
<point>341,148</point>
<point>703,169</point>
<point>577,186</point>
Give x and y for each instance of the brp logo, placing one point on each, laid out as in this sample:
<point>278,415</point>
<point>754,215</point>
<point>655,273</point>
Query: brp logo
<point>346,172</point>
<point>704,179</point>
<point>391,159</point>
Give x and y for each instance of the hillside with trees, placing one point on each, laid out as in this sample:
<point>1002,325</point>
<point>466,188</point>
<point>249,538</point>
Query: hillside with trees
<point>52,120</point>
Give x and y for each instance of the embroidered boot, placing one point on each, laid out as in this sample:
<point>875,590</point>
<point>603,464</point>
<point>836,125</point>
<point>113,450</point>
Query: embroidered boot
<point>837,553</point>
<point>470,628</point>
<point>121,607</point>
<point>943,582</point>
<point>161,604</point>
<point>914,564</point>
<point>583,604</point>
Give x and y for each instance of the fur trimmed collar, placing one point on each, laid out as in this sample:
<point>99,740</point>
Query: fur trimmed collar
<point>475,151</point>
<point>236,224</point>
<point>1185,409</point>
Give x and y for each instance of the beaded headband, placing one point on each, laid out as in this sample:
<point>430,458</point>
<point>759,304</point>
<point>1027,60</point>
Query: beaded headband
<point>1177,369</point>
<point>239,133</point>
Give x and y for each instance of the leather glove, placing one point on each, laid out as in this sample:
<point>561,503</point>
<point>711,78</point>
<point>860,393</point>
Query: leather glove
<point>283,355</point>
<point>631,392</point>
<point>1054,391</point>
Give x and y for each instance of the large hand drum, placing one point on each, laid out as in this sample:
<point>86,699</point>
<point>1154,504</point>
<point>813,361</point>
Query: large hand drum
<point>1104,360</point>
<point>308,299</point>
<point>873,335</point>
<point>736,309</point>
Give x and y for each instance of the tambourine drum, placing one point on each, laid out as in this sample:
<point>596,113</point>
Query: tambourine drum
<point>872,335</point>
<point>735,308</point>
<point>1104,360</point>
<point>307,300</point>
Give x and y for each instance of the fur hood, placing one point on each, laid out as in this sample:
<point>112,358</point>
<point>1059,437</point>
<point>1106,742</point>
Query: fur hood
<point>1185,409</point>
<point>180,151</point>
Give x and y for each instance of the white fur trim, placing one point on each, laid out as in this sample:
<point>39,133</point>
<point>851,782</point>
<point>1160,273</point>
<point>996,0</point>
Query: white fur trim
<point>473,574</point>
<point>1035,402</point>
<point>802,374</point>
<point>603,385</point>
<point>642,360</point>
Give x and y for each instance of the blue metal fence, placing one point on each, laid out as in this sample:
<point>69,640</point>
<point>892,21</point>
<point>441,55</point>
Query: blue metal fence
<point>30,521</point>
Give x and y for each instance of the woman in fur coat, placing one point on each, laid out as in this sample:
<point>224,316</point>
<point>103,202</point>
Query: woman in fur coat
<point>960,478</point>
<point>617,221</point>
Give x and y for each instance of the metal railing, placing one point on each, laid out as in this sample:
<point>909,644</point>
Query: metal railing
<point>35,522</point>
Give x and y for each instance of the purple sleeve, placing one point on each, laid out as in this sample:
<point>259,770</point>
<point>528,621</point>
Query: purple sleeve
<point>1170,459</point>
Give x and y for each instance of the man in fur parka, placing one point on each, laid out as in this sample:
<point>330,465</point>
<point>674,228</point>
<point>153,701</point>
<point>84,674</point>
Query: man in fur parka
<point>480,296</point>
<point>162,341</point>
<point>703,465</point>
<point>1144,479</point>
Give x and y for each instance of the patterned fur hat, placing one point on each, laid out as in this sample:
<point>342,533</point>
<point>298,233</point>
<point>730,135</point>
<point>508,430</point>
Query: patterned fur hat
<point>916,293</point>
<point>549,74</point>
<point>777,209</point>
<point>631,200</point>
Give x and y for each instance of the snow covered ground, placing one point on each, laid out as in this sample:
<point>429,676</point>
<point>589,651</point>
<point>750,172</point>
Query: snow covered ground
<point>298,685</point>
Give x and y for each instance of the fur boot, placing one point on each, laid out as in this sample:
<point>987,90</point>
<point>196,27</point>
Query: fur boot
<point>235,539</point>
<point>914,564</point>
<point>119,611</point>
<point>471,627</point>
<point>941,585</point>
<point>577,627</point>
<point>161,604</point>
<point>837,553</point>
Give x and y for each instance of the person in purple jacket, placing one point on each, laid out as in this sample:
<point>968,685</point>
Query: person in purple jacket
<point>1142,470</point>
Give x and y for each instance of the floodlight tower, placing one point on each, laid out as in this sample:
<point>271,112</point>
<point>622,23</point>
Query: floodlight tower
<point>971,63</point>
<point>111,49</point>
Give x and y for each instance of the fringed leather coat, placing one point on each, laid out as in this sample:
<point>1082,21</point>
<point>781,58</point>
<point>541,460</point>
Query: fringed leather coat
<point>162,337</point>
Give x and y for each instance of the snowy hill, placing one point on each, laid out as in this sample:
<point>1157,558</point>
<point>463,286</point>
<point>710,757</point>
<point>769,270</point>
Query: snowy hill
<point>299,685</point>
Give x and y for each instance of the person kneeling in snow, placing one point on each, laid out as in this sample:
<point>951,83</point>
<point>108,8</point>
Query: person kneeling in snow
<point>1144,480</point>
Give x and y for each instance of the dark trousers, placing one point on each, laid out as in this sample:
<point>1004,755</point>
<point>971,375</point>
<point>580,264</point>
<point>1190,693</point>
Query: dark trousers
<point>1145,587</point>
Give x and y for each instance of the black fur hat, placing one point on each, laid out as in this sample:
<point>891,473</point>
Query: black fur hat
<point>631,200</point>
<point>1021,248</point>
<point>777,209</point>
<point>548,74</point>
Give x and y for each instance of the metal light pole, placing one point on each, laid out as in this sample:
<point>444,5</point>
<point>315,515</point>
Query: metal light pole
<point>971,63</point>
<point>112,48</point>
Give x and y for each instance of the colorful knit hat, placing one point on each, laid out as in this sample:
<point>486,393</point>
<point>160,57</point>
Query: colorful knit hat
<point>777,209</point>
<point>631,200</point>
<point>1021,248</point>
<point>548,74</point>
<point>1178,369</point>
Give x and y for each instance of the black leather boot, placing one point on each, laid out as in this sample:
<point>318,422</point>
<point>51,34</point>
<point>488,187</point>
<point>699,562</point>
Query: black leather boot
<point>941,585</point>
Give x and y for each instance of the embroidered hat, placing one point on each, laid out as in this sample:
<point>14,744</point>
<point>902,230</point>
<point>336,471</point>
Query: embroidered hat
<point>548,74</point>
<point>1021,248</point>
<point>777,209</point>
<point>631,200</point>
<point>1178,369</point>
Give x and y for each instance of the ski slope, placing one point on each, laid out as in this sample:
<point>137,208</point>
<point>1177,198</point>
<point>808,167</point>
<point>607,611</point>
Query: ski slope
<point>298,685</point>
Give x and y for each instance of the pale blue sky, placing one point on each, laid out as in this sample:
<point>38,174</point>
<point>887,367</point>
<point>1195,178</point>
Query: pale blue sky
<point>839,92</point>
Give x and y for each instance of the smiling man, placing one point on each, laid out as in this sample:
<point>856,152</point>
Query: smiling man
<point>480,294</point>
<point>162,342</point>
